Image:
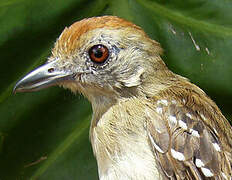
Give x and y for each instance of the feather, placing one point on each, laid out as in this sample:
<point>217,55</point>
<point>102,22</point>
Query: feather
<point>195,151</point>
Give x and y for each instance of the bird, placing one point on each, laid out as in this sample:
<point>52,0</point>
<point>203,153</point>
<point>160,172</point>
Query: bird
<point>147,122</point>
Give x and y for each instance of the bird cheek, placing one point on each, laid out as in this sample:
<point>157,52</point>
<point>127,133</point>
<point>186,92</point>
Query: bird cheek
<point>133,79</point>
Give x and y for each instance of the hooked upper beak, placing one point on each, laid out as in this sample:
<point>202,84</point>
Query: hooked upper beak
<point>44,76</point>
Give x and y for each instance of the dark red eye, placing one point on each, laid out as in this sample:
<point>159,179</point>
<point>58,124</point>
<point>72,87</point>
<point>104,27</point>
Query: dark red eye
<point>98,53</point>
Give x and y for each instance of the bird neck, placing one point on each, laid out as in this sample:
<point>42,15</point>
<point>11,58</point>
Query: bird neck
<point>102,100</point>
<point>100,104</point>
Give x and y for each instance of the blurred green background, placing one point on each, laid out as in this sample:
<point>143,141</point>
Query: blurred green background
<point>44,135</point>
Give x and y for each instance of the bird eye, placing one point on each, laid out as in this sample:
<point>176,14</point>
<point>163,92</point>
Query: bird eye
<point>98,53</point>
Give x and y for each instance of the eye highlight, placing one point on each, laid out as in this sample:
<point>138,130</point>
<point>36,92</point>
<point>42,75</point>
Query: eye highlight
<point>98,53</point>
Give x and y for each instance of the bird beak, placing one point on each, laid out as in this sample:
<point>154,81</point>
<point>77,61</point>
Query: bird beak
<point>44,76</point>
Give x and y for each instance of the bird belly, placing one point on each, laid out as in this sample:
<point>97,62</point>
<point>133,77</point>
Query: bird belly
<point>129,161</point>
<point>131,167</point>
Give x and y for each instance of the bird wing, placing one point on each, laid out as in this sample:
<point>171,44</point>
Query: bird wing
<point>185,146</point>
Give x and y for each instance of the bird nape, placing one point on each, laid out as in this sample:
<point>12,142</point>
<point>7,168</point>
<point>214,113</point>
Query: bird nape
<point>148,122</point>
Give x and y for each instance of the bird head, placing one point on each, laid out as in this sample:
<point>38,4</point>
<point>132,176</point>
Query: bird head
<point>101,57</point>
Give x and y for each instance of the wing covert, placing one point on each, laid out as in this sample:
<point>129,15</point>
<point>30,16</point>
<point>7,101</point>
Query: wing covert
<point>185,146</point>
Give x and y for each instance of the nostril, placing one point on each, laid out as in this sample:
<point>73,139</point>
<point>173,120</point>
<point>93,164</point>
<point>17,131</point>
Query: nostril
<point>50,70</point>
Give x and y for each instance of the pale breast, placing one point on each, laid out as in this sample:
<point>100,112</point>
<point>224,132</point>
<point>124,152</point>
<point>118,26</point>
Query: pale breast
<point>121,145</point>
<point>138,164</point>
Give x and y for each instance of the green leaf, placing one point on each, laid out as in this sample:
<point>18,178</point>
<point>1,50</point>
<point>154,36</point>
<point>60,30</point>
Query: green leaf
<point>44,135</point>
